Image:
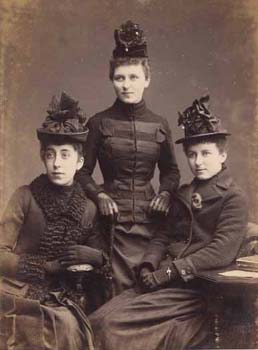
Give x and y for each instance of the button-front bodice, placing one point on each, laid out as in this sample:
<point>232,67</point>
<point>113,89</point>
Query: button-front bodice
<point>130,140</point>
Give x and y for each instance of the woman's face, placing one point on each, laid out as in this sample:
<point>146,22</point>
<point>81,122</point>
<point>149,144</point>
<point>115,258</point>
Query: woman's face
<point>61,163</point>
<point>129,82</point>
<point>205,160</point>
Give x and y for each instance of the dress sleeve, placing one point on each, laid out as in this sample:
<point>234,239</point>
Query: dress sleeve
<point>167,164</point>
<point>97,232</point>
<point>223,248</point>
<point>157,247</point>
<point>11,264</point>
<point>84,176</point>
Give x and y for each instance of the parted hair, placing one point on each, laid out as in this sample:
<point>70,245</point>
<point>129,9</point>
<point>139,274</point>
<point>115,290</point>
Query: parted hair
<point>76,145</point>
<point>124,61</point>
<point>219,140</point>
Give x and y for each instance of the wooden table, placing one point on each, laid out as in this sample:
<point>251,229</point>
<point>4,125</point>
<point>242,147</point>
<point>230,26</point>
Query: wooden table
<point>233,304</point>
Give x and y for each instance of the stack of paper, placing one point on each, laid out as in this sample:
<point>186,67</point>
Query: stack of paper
<point>248,263</point>
<point>239,274</point>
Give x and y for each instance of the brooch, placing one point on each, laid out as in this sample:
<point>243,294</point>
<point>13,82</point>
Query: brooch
<point>196,201</point>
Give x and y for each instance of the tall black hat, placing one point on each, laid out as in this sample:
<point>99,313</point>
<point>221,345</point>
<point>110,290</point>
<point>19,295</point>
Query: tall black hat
<point>197,121</point>
<point>64,121</point>
<point>130,41</point>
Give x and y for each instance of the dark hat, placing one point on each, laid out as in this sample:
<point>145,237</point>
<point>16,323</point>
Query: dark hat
<point>64,122</point>
<point>197,121</point>
<point>130,41</point>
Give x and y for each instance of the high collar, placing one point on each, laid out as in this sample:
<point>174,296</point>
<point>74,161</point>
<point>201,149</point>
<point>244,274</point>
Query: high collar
<point>61,189</point>
<point>131,109</point>
<point>58,200</point>
<point>44,183</point>
<point>208,189</point>
<point>221,180</point>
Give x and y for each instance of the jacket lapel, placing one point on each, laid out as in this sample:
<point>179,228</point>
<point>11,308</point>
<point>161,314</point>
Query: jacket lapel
<point>215,187</point>
<point>208,190</point>
<point>185,194</point>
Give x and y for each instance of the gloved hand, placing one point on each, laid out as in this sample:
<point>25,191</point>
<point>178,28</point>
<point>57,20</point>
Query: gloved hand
<point>107,206</point>
<point>160,203</point>
<point>146,279</point>
<point>53,266</point>
<point>158,278</point>
<point>81,254</point>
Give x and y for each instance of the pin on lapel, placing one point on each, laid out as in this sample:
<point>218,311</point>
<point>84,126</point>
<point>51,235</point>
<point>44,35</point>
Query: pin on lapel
<point>196,201</point>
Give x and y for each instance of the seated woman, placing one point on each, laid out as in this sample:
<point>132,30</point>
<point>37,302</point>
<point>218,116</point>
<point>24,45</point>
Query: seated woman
<point>47,227</point>
<point>129,141</point>
<point>208,221</point>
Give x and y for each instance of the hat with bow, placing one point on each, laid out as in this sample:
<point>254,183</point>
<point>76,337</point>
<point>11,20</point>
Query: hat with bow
<point>198,122</point>
<point>64,122</point>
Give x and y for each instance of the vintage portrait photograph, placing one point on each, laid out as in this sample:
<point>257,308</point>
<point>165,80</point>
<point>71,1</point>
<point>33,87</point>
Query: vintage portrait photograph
<point>128,174</point>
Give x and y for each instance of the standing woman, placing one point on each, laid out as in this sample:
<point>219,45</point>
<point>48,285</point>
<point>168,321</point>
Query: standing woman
<point>129,141</point>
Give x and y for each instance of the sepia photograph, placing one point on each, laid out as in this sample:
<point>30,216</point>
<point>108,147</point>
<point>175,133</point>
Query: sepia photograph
<point>128,174</point>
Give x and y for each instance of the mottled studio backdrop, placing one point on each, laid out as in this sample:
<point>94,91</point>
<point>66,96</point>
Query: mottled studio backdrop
<point>196,47</point>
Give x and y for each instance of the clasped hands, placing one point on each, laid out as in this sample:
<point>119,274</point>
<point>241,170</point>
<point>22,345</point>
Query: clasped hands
<point>159,204</point>
<point>152,280</point>
<point>74,255</point>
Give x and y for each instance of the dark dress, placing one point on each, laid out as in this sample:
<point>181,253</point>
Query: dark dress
<point>39,311</point>
<point>202,236</point>
<point>129,141</point>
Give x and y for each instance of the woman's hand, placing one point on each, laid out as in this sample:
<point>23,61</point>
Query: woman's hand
<point>146,279</point>
<point>160,203</point>
<point>107,206</point>
<point>81,254</point>
<point>158,278</point>
<point>53,266</point>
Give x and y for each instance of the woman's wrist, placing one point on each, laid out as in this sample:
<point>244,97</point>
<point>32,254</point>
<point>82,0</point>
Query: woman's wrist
<point>102,195</point>
<point>165,193</point>
<point>52,267</point>
<point>99,260</point>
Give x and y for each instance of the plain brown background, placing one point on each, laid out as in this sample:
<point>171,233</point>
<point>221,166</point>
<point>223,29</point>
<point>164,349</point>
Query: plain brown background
<point>195,46</point>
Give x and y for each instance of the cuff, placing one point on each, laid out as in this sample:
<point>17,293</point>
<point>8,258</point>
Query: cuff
<point>185,268</point>
<point>165,275</point>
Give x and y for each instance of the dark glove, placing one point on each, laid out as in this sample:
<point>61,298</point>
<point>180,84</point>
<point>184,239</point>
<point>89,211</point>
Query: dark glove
<point>107,206</point>
<point>146,281</point>
<point>160,203</point>
<point>159,278</point>
<point>81,254</point>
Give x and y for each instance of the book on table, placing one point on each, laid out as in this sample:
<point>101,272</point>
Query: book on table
<point>249,263</point>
